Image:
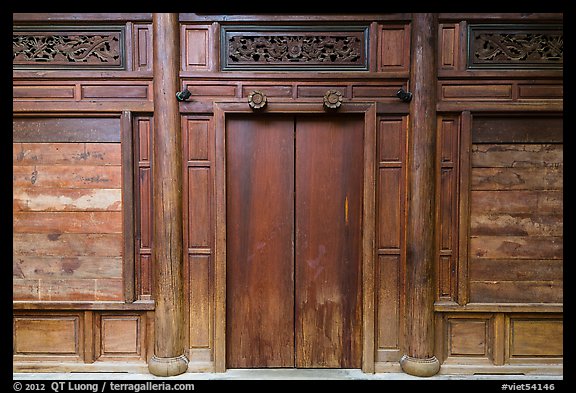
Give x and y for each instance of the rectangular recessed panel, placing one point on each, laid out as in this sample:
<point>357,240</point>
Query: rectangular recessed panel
<point>46,335</point>
<point>536,337</point>
<point>120,335</point>
<point>467,337</point>
<point>299,48</point>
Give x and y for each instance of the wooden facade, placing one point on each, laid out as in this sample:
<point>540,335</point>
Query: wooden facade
<point>294,210</point>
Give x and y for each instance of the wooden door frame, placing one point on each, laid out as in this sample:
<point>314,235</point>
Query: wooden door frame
<point>368,109</point>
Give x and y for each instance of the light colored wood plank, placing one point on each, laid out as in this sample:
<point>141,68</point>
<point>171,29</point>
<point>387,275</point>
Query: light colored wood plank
<point>66,176</point>
<point>517,178</point>
<point>66,154</point>
<point>67,222</point>
<point>67,289</point>
<point>516,247</point>
<point>35,267</point>
<point>516,224</point>
<point>517,155</point>
<point>517,201</point>
<point>200,304</point>
<point>66,199</point>
<point>104,245</point>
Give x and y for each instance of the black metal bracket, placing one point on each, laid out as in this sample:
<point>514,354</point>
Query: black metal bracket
<point>183,95</point>
<point>404,95</point>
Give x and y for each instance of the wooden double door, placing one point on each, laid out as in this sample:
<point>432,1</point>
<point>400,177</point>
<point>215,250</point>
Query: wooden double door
<point>294,240</point>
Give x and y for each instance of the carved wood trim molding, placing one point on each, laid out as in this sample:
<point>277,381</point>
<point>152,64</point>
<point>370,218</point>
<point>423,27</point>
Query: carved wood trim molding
<point>68,47</point>
<point>305,48</point>
<point>515,46</point>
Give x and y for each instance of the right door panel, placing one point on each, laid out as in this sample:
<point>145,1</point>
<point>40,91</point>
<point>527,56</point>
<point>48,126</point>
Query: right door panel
<point>329,183</point>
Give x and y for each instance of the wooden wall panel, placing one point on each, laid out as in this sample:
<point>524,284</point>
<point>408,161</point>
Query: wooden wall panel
<point>119,336</point>
<point>196,48</point>
<point>198,146</point>
<point>67,219</point>
<point>447,198</point>
<point>390,194</point>
<point>521,91</point>
<point>142,46</point>
<point>468,337</point>
<point>516,213</point>
<point>449,46</point>
<point>394,48</point>
<point>48,337</point>
<point>143,195</point>
<point>530,337</point>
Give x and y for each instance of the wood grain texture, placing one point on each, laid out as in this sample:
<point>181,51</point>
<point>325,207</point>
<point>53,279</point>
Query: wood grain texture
<point>421,163</point>
<point>67,176</point>
<point>329,172</point>
<point>48,336</point>
<point>517,129</point>
<point>36,199</point>
<point>66,129</point>
<point>170,316</point>
<point>260,242</point>
<point>533,337</point>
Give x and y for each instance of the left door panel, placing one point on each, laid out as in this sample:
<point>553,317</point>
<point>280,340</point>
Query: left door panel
<point>260,241</point>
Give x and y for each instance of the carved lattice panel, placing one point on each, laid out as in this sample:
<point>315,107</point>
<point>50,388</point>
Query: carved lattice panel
<point>68,47</point>
<point>515,46</point>
<point>294,48</point>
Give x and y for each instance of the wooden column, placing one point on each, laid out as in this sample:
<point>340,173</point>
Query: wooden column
<point>419,358</point>
<point>170,322</point>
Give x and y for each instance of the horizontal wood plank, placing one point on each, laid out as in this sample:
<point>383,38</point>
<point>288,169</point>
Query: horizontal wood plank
<point>67,176</point>
<point>517,155</point>
<point>66,199</point>
<point>517,178</point>
<point>31,267</point>
<point>66,154</point>
<point>67,245</point>
<point>516,269</point>
<point>67,222</point>
<point>25,289</point>
<point>66,129</point>
<point>511,129</point>
<point>516,201</point>
<point>519,247</point>
<point>67,289</point>
<point>516,291</point>
<point>516,224</point>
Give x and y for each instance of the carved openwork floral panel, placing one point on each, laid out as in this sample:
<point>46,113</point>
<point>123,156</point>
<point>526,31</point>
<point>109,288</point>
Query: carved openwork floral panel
<point>515,46</point>
<point>303,48</point>
<point>70,47</point>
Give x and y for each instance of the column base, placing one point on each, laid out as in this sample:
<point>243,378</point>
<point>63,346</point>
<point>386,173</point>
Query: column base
<point>168,367</point>
<point>420,367</point>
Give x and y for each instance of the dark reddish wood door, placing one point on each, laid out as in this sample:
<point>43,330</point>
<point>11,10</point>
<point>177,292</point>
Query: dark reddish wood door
<point>294,208</point>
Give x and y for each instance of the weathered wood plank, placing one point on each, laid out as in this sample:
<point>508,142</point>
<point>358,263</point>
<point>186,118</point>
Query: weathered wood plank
<point>517,178</point>
<point>509,129</point>
<point>67,289</point>
<point>24,289</point>
<point>200,304</point>
<point>520,247</point>
<point>66,154</point>
<point>66,129</point>
<point>516,269</point>
<point>516,224</point>
<point>516,291</point>
<point>34,267</point>
<point>67,245</point>
<point>109,289</point>
<point>67,176</point>
<point>517,155</point>
<point>67,222</point>
<point>66,199</point>
<point>516,202</point>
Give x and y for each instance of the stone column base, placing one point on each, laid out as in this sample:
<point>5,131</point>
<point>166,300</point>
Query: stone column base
<point>420,367</point>
<point>168,367</point>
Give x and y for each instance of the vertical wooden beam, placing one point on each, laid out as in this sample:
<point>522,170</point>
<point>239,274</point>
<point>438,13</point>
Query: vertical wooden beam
<point>128,206</point>
<point>419,358</point>
<point>170,322</point>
